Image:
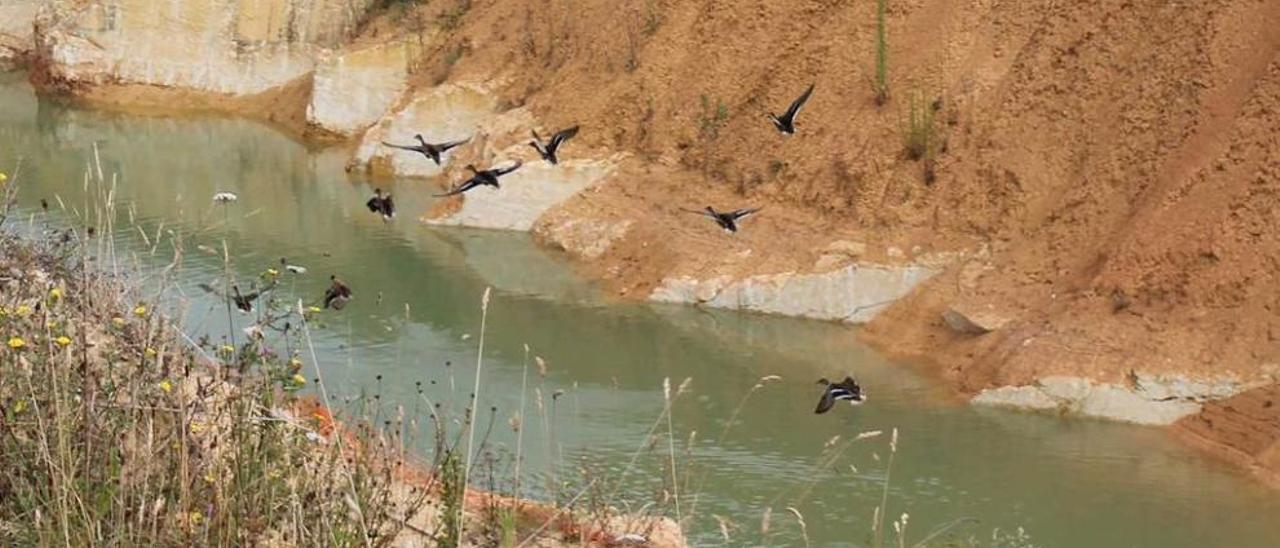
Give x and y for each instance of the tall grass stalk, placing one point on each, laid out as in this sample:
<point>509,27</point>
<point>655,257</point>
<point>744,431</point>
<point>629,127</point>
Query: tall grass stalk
<point>475,395</point>
<point>883,508</point>
<point>724,433</point>
<point>671,446</point>
<point>919,131</point>
<point>324,395</point>
<point>881,84</point>
<point>520,423</point>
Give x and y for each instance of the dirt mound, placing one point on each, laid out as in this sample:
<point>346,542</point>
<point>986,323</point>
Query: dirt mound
<point>1244,429</point>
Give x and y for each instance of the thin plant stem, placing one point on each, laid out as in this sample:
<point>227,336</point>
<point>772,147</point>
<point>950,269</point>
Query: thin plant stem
<point>475,395</point>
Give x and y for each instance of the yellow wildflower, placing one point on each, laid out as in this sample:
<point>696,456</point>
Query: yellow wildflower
<point>195,518</point>
<point>140,311</point>
<point>55,293</point>
<point>3,178</point>
<point>149,352</point>
<point>117,321</point>
<point>22,310</point>
<point>166,386</point>
<point>20,406</point>
<point>209,479</point>
<point>17,343</point>
<point>299,379</point>
<point>63,341</point>
<point>197,427</point>
<point>295,362</point>
<point>313,309</point>
<point>51,324</point>
<point>227,348</point>
<point>271,272</point>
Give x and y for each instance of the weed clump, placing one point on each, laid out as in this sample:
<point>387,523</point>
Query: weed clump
<point>920,139</point>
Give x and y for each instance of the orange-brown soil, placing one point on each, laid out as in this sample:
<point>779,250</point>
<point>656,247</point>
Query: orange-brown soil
<point>1244,429</point>
<point>1121,159</point>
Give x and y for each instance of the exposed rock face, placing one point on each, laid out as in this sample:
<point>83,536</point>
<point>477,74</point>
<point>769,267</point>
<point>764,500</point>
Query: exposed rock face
<point>853,294</point>
<point>444,113</point>
<point>974,320</point>
<point>1151,400</point>
<point>525,195</point>
<point>354,89</point>
<point>221,46</point>
<point>584,238</point>
<point>16,34</point>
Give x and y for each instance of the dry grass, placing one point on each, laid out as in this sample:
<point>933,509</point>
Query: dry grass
<point>118,427</point>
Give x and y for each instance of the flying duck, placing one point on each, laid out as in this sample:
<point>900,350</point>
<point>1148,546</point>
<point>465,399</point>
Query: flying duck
<point>548,151</point>
<point>728,220</point>
<point>487,177</point>
<point>786,122</point>
<point>431,151</point>
<point>382,203</point>
<point>847,389</point>
<point>225,197</point>
<point>243,302</point>
<point>337,295</point>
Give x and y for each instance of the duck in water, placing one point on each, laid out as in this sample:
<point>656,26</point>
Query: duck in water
<point>430,150</point>
<point>786,122</point>
<point>548,150</point>
<point>337,295</point>
<point>488,177</point>
<point>728,220</point>
<point>383,204</point>
<point>847,390</point>
<point>292,268</point>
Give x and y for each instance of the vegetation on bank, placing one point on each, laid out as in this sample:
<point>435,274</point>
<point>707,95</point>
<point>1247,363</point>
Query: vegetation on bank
<point>118,427</point>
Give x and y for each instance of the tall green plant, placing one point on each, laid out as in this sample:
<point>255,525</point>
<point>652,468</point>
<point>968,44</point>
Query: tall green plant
<point>881,84</point>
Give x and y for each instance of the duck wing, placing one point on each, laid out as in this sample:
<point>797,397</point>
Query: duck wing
<point>468,185</point>
<point>796,105</point>
<point>374,204</point>
<point>505,170</point>
<point>451,144</point>
<point>743,213</point>
<point>536,143</point>
<point>388,207</point>
<point>825,403</point>
<point>561,136</point>
<point>851,387</point>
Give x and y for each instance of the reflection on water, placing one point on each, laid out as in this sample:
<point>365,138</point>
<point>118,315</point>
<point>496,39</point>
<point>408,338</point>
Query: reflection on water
<point>1069,483</point>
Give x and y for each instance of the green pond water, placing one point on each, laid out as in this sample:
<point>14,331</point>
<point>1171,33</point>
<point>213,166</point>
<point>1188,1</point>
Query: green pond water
<point>1066,482</point>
